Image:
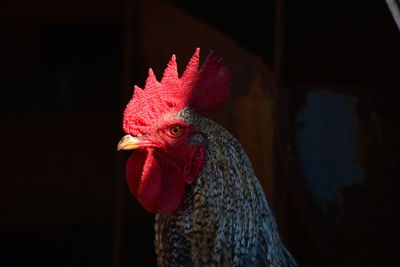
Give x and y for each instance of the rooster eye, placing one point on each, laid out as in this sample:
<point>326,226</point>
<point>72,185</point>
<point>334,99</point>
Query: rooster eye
<point>175,130</point>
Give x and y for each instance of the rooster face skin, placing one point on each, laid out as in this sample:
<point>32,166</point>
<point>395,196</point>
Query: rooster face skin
<point>167,159</point>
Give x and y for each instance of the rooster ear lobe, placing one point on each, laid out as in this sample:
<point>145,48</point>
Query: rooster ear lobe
<point>193,169</point>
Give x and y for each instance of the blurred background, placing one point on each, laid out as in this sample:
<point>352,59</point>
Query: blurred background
<point>315,103</point>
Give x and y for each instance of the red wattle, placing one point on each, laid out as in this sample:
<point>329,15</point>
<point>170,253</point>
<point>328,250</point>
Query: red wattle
<point>158,184</point>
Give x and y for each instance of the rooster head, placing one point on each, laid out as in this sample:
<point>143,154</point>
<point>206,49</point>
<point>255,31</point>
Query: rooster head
<point>169,152</point>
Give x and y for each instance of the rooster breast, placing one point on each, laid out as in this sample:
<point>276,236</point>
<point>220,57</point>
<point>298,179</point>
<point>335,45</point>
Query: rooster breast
<point>224,219</point>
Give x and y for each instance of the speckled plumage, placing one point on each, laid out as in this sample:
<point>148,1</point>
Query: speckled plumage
<point>224,219</point>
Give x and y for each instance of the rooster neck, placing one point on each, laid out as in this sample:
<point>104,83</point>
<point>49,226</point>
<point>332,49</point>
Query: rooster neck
<point>224,218</point>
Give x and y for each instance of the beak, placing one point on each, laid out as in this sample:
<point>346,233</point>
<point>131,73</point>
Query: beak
<point>128,143</point>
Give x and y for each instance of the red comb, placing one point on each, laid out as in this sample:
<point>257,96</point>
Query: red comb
<point>200,89</point>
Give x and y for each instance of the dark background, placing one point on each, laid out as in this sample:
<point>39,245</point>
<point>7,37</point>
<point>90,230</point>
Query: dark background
<point>63,90</point>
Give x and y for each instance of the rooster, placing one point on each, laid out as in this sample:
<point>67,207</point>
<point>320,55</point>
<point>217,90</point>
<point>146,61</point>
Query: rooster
<point>210,207</point>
